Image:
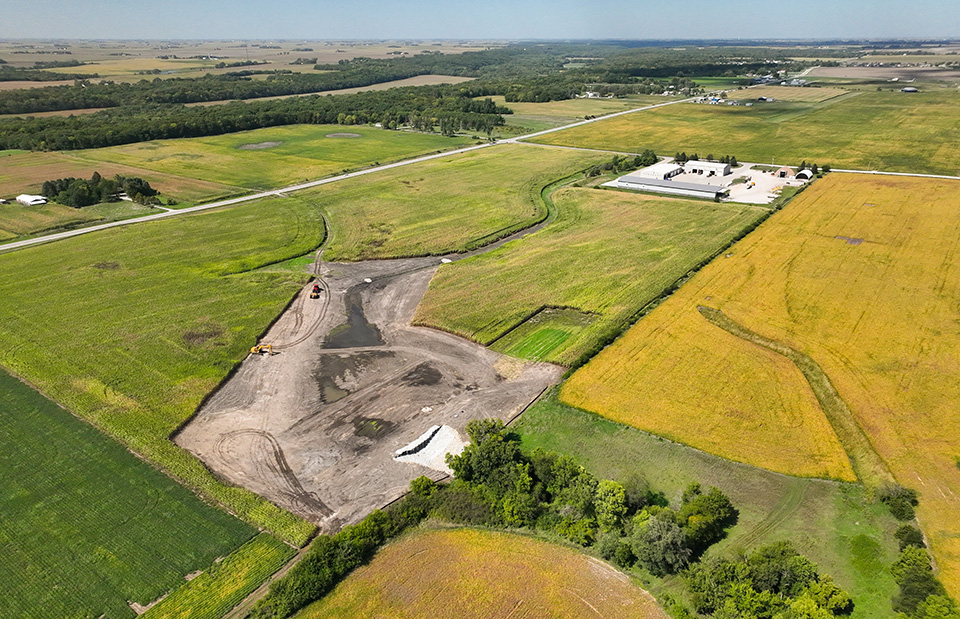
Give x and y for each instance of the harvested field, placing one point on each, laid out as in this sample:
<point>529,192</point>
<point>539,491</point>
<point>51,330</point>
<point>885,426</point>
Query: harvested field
<point>838,526</point>
<point>131,327</point>
<point>25,172</point>
<point>787,93</point>
<point>452,204</point>
<point>304,152</point>
<point>86,525</point>
<point>469,573</point>
<point>605,256</point>
<point>316,427</point>
<point>877,317</point>
<point>888,131</point>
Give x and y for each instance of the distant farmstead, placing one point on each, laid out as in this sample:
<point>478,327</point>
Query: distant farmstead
<point>28,200</point>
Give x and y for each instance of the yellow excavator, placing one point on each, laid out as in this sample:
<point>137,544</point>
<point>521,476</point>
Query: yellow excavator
<point>262,349</point>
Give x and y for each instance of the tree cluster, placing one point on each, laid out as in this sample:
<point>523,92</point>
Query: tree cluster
<point>78,192</point>
<point>774,582</point>
<point>622,163</point>
<point>627,522</point>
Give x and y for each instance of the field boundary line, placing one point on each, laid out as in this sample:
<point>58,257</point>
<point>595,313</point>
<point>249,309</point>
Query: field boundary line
<point>909,174</point>
<point>310,184</point>
<point>869,467</point>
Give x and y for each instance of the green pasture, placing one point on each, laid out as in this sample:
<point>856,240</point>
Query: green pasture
<point>17,221</point>
<point>607,254</point>
<point>214,592</point>
<point>529,117</point>
<point>87,526</point>
<point>444,205</point>
<point>834,524</point>
<point>301,152</point>
<point>887,131</point>
<point>131,327</point>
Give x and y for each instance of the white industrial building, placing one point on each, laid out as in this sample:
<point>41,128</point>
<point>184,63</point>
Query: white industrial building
<point>636,182</point>
<point>28,200</point>
<point>662,171</point>
<point>709,168</point>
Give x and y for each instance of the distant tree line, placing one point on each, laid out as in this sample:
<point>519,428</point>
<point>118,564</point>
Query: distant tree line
<point>78,192</point>
<point>15,74</point>
<point>392,108</point>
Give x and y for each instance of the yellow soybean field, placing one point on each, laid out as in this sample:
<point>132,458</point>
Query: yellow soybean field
<point>469,573</point>
<point>860,274</point>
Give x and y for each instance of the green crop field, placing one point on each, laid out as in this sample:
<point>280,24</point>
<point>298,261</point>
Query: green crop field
<point>469,573</point>
<point>86,525</point>
<point>444,205</point>
<point>537,116</point>
<point>889,131</point>
<point>832,523</point>
<point>17,221</point>
<point>212,594</point>
<point>25,172</point>
<point>276,156</point>
<point>606,256</point>
<point>131,327</point>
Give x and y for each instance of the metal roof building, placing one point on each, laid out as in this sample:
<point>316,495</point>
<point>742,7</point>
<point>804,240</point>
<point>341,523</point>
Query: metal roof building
<point>636,182</point>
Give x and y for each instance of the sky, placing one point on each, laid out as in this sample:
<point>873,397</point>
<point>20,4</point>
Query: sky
<point>473,19</point>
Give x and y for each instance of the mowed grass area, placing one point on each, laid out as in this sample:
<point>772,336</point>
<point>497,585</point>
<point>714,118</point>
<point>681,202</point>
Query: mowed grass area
<point>470,573</point>
<point>606,255</point>
<point>275,156</point>
<point>455,203</point>
<point>887,131</point>
<point>88,526</point>
<point>860,274</point>
<point>832,523</point>
<point>25,172</point>
<point>212,594</point>
<point>131,327</point>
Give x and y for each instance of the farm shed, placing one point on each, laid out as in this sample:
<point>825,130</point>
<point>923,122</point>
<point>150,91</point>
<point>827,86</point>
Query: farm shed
<point>805,175</point>
<point>639,183</point>
<point>662,171</point>
<point>784,172</point>
<point>706,167</point>
<point>28,200</point>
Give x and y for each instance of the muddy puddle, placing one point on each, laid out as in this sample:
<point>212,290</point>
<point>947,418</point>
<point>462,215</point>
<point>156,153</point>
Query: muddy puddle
<point>357,331</point>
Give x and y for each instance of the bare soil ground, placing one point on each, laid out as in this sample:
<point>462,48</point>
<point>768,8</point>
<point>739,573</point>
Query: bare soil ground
<point>315,426</point>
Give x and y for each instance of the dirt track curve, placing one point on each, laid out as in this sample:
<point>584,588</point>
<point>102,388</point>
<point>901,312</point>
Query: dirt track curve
<point>315,426</point>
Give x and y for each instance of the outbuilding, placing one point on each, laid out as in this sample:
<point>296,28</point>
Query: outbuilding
<point>663,171</point>
<point>784,172</point>
<point>710,168</point>
<point>804,175</point>
<point>636,182</point>
<point>28,200</point>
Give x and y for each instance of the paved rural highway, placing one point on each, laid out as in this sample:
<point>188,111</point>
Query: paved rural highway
<point>333,179</point>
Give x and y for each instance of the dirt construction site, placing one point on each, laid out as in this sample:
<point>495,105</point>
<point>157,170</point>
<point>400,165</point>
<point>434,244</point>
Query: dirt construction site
<point>353,403</point>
